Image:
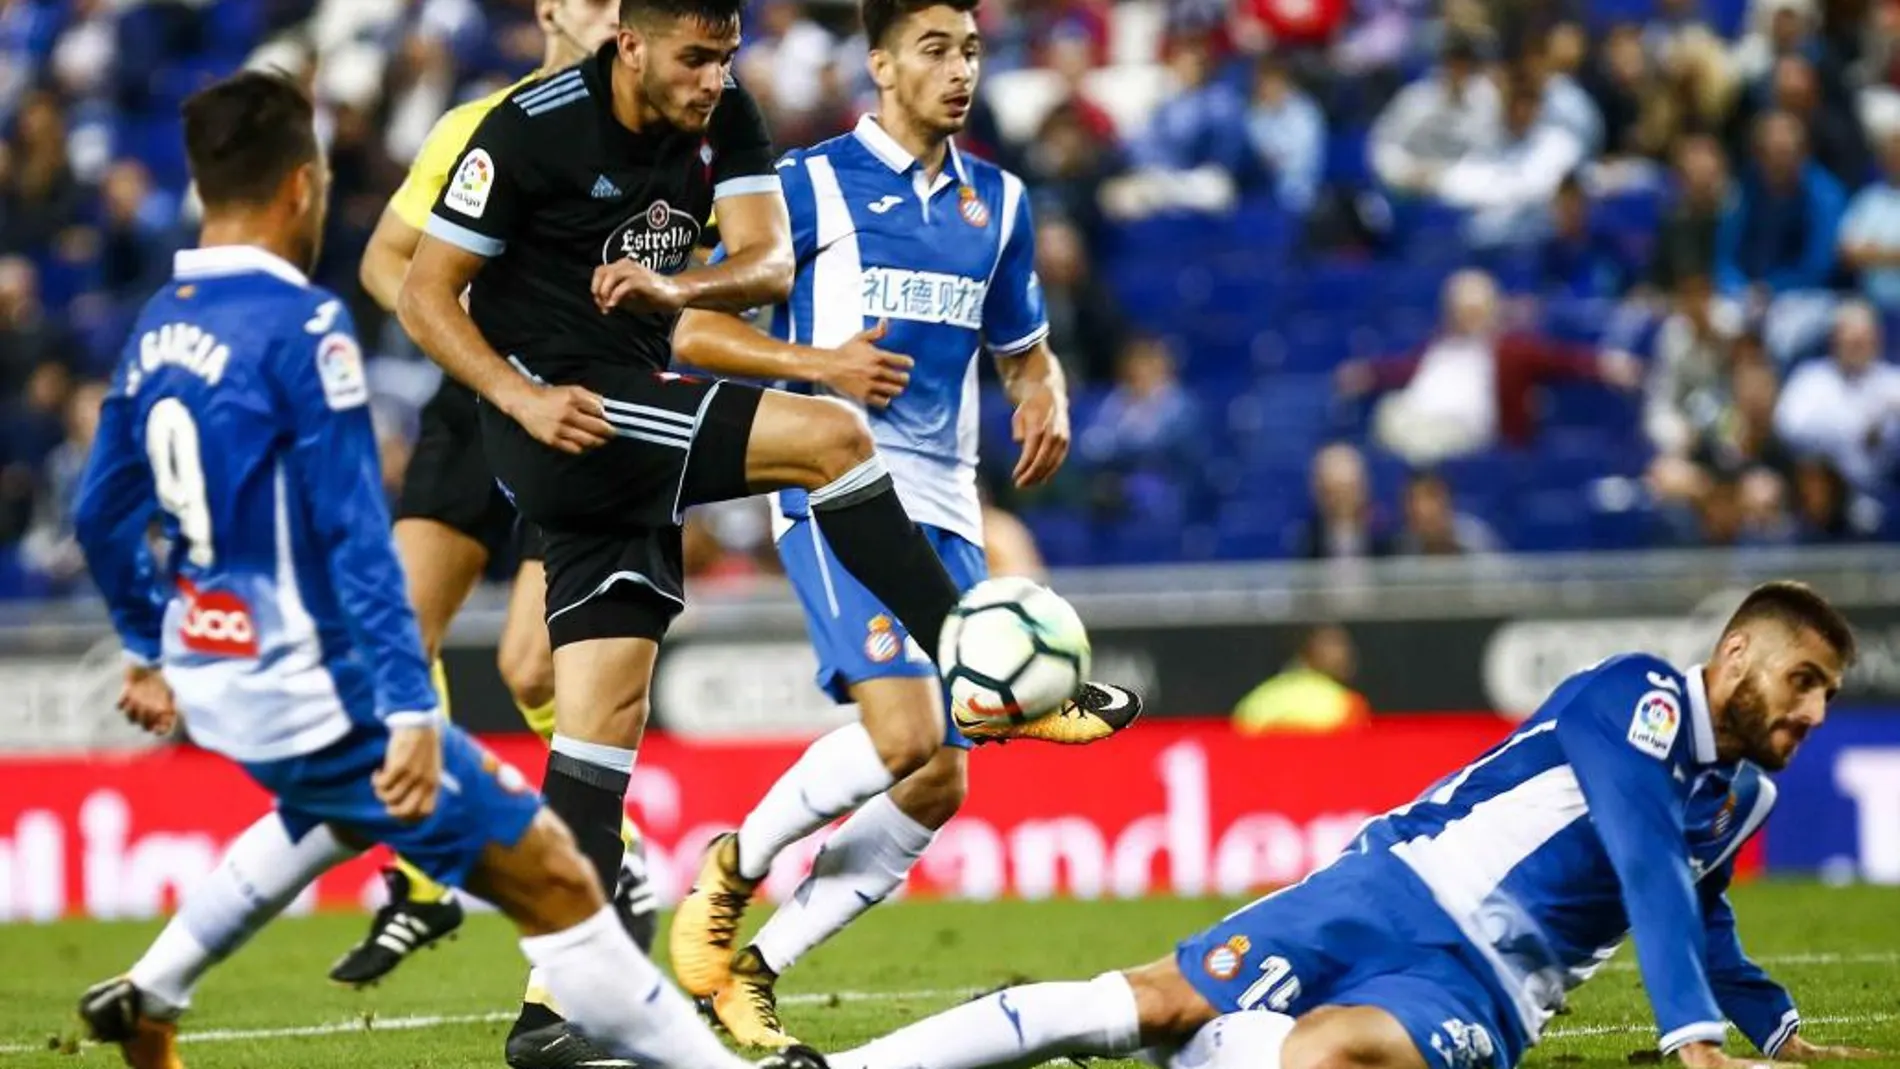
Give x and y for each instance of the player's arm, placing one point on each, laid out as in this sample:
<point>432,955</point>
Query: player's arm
<point>727,345</point>
<point>1016,328</point>
<point>471,222</point>
<point>754,230</point>
<point>1626,771</point>
<point>1759,1006</point>
<point>111,513</point>
<point>393,244</point>
<point>323,390</point>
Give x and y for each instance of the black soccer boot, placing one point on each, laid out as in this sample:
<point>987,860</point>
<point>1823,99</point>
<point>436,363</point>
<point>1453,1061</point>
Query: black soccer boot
<point>399,929</point>
<point>560,1046</point>
<point>800,1057</point>
<point>115,1011</point>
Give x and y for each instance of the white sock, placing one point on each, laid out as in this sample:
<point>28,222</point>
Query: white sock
<point>835,774</point>
<point>1251,1039</point>
<point>257,877</point>
<point>1022,1026</point>
<point>866,859</point>
<point>607,987</point>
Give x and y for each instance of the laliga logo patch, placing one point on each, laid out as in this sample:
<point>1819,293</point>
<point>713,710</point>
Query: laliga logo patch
<point>881,644</point>
<point>1224,961</point>
<point>474,180</point>
<point>661,238</point>
<point>1654,725</point>
<point>972,208</point>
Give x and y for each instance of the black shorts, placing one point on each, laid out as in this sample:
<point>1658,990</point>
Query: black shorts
<point>611,516</point>
<point>449,481</point>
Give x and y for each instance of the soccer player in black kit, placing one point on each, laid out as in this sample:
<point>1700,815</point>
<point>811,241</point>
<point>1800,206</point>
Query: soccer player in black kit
<point>573,213</point>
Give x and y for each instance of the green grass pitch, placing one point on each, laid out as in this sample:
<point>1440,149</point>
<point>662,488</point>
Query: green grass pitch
<point>270,1008</point>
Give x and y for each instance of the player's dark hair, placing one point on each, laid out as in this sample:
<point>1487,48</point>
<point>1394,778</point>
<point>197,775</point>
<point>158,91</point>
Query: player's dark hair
<point>706,12</point>
<point>882,16</point>
<point>246,134</point>
<point>1797,606</point>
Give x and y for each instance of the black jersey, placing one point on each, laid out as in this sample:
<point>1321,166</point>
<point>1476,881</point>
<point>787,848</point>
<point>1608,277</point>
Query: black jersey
<point>551,186</point>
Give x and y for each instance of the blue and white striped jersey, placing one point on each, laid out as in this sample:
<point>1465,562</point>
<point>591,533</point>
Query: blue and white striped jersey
<point>950,263</point>
<point>1606,813</point>
<point>239,417</point>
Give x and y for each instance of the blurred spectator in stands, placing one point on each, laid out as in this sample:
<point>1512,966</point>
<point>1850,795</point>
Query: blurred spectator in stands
<point>137,227</point>
<point>1685,244</point>
<point>1342,526</point>
<point>1507,185</point>
<point>786,55</point>
<point>1780,28</point>
<point>31,427</point>
<point>1072,57</point>
<point>27,31</point>
<point>1579,258</point>
<point>1745,509</point>
<point>1288,134</point>
<point>1740,443</point>
<point>1833,132</point>
<point>1312,694</point>
<point>1439,119</point>
<point>1195,126</point>
<point>49,547</point>
<point>1433,525</point>
<point>1689,373</point>
<point>29,337</point>
<point>1085,330</point>
<point>1066,166</point>
<point>1870,232</point>
<point>1009,546</point>
<point>1669,23</point>
<point>1548,62</point>
<point>1472,385</point>
<point>41,197</point>
<point>1381,38</point>
<point>1827,509</point>
<point>1146,448</point>
<point>730,542</point>
<point>1777,233</point>
<point>1622,83</point>
<point>1845,409</point>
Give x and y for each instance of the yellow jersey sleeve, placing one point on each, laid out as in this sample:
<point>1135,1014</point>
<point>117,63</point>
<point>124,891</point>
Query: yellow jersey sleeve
<point>415,198</point>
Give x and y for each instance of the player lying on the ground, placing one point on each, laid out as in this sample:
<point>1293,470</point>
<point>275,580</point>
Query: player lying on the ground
<point>1450,932</point>
<point>882,215</point>
<point>277,628</point>
<point>452,515</point>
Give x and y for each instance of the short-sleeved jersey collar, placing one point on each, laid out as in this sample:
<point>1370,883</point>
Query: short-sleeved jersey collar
<point>1701,722</point>
<point>234,260</point>
<point>882,145</point>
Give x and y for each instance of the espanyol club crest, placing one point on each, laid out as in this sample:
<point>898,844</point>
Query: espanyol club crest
<point>1224,961</point>
<point>662,238</point>
<point>972,208</point>
<point>881,643</point>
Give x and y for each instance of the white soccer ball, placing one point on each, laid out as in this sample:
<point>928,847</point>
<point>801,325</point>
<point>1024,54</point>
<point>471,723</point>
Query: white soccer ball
<point>1012,650</point>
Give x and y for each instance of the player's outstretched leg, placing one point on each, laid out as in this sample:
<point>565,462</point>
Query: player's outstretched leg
<point>259,875</point>
<point>901,725</point>
<point>825,448</point>
<point>441,564</point>
<point>606,986</point>
<point>862,864</point>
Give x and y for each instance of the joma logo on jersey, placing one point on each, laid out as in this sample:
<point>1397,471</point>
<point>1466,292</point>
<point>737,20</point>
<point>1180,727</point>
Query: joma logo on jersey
<point>184,345</point>
<point>661,238</point>
<point>217,623</point>
<point>924,297</point>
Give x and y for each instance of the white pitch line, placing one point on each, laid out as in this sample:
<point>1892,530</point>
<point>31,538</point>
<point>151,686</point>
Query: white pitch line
<point>821,998</point>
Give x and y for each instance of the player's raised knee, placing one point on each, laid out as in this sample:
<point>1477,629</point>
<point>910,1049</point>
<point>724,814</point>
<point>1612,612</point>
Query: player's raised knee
<point>840,441</point>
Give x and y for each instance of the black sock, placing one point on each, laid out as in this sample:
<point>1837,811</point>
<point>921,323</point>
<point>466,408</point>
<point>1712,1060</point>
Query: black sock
<point>875,540</point>
<point>589,799</point>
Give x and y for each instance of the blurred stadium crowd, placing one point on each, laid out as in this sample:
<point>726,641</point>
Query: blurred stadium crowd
<point>1333,278</point>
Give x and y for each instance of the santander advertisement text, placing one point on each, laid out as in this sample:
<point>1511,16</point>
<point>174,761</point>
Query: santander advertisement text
<point>1173,807</point>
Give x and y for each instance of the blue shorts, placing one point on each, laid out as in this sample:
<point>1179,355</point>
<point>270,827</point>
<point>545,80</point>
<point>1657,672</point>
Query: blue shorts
<point>855,636</point>
<point>1362,932</point>
<point>482,801</point>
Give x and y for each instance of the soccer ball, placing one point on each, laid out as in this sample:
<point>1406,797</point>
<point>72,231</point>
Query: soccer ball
<point>1012,650</point>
